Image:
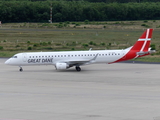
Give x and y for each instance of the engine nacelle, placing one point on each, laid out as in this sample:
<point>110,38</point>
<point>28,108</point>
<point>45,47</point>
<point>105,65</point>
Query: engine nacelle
<point>61,66</point>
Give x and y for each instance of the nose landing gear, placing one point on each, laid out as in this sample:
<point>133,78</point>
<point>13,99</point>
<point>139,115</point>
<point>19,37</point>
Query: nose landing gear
<point>21,69</point>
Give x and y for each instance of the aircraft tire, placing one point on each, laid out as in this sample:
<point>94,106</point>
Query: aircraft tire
<point>20,69</point>
<point>78,68</point>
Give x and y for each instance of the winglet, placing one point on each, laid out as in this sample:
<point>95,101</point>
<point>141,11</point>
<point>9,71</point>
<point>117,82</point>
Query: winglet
<point>95,56</point>
<point>93,60</point>
<point>90,49</point>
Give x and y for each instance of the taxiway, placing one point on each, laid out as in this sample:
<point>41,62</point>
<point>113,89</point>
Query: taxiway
<point>121,91</point>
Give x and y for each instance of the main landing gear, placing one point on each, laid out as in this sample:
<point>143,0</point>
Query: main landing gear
<point>78,68</point>
<point>21,69</point>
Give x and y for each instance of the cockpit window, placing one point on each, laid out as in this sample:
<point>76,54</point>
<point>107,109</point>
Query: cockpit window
<point>14,57</point>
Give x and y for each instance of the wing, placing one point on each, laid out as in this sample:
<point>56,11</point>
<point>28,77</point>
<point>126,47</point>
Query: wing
<point>78,62</point>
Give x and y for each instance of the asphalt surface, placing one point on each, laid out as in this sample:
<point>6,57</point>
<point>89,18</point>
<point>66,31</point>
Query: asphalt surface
<point>121,91</point>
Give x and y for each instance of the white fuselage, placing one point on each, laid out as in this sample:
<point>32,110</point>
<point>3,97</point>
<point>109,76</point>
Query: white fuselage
<point>51,58</point>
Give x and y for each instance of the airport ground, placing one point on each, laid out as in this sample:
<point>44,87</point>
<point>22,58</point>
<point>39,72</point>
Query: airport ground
<point>121,91</point>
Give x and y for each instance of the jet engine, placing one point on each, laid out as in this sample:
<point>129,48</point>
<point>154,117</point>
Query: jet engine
<point>61,66</point>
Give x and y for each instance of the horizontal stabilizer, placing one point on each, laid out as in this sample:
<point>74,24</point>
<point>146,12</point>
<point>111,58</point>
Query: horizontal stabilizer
<point>147,52</point>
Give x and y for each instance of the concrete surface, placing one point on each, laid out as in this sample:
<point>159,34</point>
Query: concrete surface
<point>120,91</point>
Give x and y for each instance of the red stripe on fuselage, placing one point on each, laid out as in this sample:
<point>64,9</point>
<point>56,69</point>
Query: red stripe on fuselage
<point>130,55</point>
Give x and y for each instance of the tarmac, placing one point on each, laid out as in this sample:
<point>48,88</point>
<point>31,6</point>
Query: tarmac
<point>120,91</point>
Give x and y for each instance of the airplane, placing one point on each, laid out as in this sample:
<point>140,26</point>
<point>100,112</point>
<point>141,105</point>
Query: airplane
<point>66,59</point>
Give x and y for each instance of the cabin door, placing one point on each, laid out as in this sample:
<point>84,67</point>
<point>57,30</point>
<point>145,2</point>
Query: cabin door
<point>123,54</point>
<point>24,57</point>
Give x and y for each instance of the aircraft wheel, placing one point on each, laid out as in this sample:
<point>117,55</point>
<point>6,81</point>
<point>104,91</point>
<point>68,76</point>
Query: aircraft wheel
<point>78,68</point>
<point>20,69</point>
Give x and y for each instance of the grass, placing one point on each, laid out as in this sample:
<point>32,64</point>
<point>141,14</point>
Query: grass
<point>148,59</point>
<point>24,37</point>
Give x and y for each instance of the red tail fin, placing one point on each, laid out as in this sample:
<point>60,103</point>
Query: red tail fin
<point>143,42</point>
<point>140,48</point>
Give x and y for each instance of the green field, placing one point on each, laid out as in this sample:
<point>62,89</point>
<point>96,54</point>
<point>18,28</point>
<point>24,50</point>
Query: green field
<point>17,37</point>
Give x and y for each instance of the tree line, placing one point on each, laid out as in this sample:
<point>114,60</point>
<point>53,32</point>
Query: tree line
<point>39,11</point>
<point>106,1</point>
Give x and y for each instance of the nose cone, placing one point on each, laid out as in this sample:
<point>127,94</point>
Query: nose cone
<point>7,62</point>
